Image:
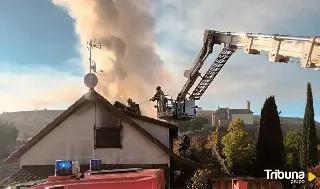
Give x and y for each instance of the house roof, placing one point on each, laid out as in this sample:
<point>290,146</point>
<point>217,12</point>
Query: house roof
<point>28,174</point>
<point>234,111</point>
<point>151,120</point>
<point>240,111</point>
<point>96,97</point>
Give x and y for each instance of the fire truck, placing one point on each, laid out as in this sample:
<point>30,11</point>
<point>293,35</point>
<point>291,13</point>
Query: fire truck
<point>281,48</point>
<point>67,175</point>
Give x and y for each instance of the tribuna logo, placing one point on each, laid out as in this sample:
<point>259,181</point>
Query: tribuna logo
<point>289,175</point>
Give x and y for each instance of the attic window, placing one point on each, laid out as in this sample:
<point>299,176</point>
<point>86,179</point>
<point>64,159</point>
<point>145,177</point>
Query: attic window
<point>107,136</point>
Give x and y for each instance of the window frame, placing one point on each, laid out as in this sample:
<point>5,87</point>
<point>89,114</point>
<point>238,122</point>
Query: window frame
<point>98,128</point>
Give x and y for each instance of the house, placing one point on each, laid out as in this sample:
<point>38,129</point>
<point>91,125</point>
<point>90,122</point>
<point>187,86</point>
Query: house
<point>223,116</point>
<point>92,128</point>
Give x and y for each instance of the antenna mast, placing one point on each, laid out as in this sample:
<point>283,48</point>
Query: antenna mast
<point>90,79</point>
<point>91,45</point>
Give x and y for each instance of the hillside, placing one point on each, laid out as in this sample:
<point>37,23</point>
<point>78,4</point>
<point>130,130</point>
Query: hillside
<point>30,122</point>
<point>287,123</point>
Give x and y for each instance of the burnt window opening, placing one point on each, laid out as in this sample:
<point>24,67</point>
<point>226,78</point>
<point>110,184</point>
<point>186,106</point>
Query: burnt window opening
<point>108,136</point>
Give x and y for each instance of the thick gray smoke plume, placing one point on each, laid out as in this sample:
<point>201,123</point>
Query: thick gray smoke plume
<point>124,28</point>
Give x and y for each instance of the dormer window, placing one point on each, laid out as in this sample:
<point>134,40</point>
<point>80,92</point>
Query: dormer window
<point>108,136</point>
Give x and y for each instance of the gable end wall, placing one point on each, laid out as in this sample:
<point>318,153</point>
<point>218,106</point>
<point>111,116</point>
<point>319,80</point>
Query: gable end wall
<point>73,139</point>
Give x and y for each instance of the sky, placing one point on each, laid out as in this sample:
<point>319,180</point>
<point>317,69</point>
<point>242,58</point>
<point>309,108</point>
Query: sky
<point>43,60</point>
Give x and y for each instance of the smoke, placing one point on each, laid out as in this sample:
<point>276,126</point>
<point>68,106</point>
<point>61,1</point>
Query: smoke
<point>125,29</point>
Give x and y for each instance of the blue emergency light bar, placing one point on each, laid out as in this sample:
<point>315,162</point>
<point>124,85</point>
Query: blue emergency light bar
<point>63,168</point>
<point>95,165</point>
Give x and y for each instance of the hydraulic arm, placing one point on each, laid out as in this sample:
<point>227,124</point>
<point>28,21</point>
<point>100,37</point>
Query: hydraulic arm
<point>280,48</point>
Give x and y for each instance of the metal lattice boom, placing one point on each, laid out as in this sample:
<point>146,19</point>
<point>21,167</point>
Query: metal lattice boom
<point>212,72</point>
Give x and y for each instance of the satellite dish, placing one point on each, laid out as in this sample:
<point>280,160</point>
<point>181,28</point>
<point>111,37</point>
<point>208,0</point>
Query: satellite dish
<point>90,80</point>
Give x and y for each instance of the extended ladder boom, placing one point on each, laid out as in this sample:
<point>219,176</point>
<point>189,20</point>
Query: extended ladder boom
<point>280,48</point>
<point>193,73</point>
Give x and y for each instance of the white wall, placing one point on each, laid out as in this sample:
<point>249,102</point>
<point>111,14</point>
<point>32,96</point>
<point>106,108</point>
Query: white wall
<point>161,133</point>
<point>136,150</point>
<point>73,139</point>
<point>247,118</point>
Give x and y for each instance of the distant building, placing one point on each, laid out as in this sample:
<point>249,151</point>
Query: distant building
<point>223,116</point>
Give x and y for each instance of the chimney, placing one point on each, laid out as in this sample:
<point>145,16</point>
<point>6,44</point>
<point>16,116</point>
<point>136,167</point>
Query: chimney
<point>248,105</point>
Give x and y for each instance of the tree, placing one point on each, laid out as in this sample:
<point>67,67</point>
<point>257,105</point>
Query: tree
<point>308,155</point>
<point>213,139</point>
<point>201,152</point>
<point>237,148</point>
<point>201,179</point>
<point>24,138</point>
<point>197,152</point>
<point>8,137</point>
<point>184,126</point>
<point>199,123</point>
<point>270,147</point>
<point>292,144</point>
<point>181,173</point>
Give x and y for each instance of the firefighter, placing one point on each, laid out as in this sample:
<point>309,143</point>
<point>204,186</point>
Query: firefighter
<point>119,105</point>
<point>132,106</point>
<point>185,145</point>
<point>162,100</point>
<point>158,95</point>
<point>137,109</point>
<point>179,106</point>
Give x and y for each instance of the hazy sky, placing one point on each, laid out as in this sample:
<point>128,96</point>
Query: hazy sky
<point>43,62</point>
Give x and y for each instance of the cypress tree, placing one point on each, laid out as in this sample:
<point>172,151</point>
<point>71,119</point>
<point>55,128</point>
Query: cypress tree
<point>308,155</point>
<point>270,148</point>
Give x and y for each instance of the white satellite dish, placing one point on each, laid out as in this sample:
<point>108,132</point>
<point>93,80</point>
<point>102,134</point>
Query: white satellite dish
<point>90,80</point>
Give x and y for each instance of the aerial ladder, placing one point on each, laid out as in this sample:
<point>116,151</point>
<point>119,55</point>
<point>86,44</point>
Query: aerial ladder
<point>280,47</point>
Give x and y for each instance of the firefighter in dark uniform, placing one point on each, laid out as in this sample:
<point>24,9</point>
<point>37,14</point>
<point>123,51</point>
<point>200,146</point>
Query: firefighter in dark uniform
<point>159,96</point>
<point>120,106</point>
<point>184,146</point>
<point>179,106</point>
<point>132,106</point>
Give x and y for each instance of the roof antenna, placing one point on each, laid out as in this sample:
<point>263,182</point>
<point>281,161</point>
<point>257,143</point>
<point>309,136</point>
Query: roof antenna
<point>91,45</point>
<point>91,79</point>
